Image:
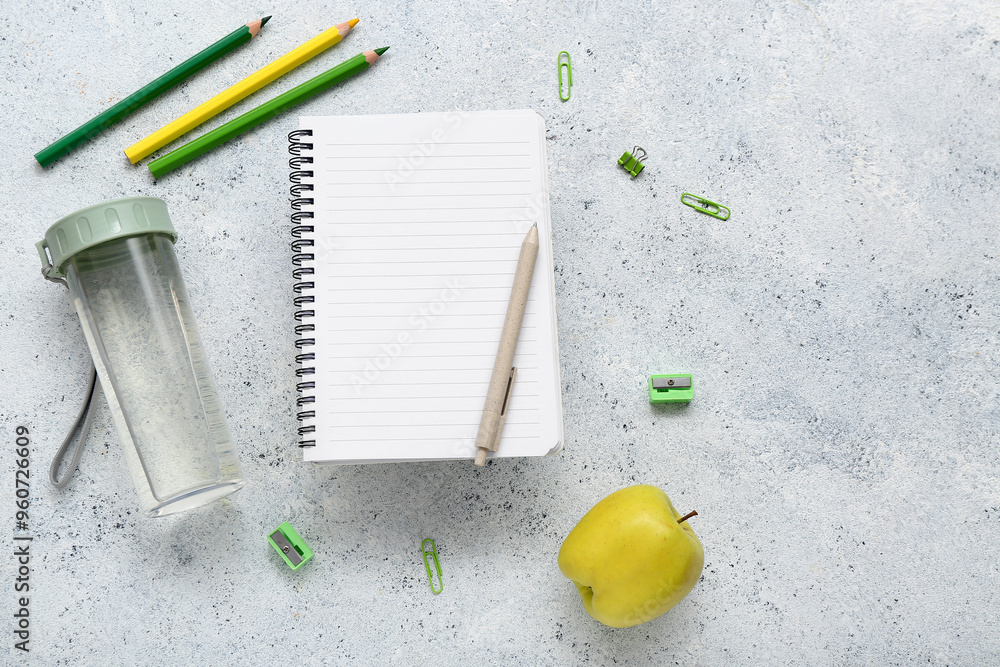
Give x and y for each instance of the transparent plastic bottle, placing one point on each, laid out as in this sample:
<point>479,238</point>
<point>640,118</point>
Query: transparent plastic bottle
<point>119,263</point>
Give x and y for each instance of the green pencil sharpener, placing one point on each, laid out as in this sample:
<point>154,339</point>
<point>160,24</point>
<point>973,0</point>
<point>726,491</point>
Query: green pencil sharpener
<point>292,548</point>
<point>670,388</point>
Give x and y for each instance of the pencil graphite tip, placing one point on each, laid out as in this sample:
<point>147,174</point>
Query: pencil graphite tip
<point>382,50</point>
<point>353,22</point>
<point>255,26</point>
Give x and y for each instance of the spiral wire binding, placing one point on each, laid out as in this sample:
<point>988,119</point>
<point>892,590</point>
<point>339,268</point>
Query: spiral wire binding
<point>302,258</point>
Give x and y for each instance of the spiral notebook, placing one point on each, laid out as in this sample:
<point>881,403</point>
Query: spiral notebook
<point>407,233</point>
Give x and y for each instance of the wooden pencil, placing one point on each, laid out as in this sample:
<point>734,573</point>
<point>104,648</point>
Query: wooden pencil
<point>264,112</point>
<point>102,121</point>
<point>237,92</point>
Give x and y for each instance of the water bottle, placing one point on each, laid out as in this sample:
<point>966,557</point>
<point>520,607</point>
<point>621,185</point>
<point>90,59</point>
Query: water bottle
<point>118,260</point>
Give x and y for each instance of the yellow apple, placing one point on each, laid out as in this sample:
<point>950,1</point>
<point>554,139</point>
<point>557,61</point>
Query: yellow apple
<point>632,557</point>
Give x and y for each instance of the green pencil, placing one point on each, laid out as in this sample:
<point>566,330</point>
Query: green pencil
<point>99,123</point>
<point>264,112</point>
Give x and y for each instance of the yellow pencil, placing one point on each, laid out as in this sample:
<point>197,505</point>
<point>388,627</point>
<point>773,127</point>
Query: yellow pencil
<point>237,92</point>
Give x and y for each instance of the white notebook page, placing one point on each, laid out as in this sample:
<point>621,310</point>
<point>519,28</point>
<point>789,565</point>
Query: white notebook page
<point>419,222</point>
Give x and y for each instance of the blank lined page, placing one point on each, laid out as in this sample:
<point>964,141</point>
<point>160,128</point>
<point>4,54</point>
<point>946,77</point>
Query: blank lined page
<point>419,221</point>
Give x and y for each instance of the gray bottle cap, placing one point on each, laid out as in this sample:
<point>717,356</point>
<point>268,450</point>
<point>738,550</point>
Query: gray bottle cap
<point>91,226</point>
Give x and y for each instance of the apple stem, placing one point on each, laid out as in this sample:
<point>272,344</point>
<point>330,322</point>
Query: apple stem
<point>687,516</point>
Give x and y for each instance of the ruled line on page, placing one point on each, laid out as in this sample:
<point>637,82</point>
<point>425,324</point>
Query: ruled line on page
<point>434,169</point>
<point>419,143</point>
<point>402,196</point>
<point>426,157</point>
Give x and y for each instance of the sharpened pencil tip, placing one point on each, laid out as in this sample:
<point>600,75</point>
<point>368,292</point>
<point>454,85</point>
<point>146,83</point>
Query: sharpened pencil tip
<point>382,50</point>
<point>353,22</point>
<point>263,21</point>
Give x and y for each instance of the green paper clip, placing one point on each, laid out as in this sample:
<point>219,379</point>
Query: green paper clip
<point>569,75</point>
<point>292,549</point>
<point>630,162</point>
<point>670,388</point>
<point>707,207</point>
<point>428,557</point>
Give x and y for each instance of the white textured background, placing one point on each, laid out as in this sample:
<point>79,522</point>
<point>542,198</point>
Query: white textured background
<point>842,329</point>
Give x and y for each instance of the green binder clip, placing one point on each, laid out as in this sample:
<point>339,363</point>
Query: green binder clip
<point>631,162</point>
<point>292,549</point>
<point>702,205</point>
<point>569,74</point>
<point>670,388</point>
<point>429,551</point>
